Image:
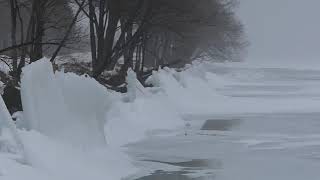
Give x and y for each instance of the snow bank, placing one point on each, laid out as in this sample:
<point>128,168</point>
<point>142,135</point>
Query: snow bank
<point>52,160</point>
<point>65,162</point>
<point>85,113</point>
<point>10,141</point>
<point>131,122</point>
<point>65,111</point>
<point>190,91</point>
<point>67,119</point>
<point>205,89</point>
<point>65,139</point>
<point>139,113</point>
<point>79,111</point>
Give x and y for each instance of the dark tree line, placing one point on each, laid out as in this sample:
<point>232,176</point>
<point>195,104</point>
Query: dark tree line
<point>140,34</point>
<point>153,33</point>
<point>137,34</point>
<point>32,24</point>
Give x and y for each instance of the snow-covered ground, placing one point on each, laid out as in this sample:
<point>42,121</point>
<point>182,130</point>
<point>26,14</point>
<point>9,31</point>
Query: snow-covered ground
<point>209,121</point>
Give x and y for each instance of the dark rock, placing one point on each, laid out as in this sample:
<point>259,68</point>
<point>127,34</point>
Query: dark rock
<point>12,98</point>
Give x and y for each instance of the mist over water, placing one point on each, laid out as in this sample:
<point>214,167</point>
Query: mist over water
<point>282,31</point>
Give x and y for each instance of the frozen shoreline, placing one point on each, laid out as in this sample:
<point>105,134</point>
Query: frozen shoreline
<point>63,144</point>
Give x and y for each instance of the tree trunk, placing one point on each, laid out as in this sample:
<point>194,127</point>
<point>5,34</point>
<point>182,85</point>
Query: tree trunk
<point>14,54</point>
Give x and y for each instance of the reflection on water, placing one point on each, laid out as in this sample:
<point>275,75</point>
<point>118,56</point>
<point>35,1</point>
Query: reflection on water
<point>203,168</point>
<point>174,175</point>
<point>187,168</point>
<point>220,124</point>
<point>194,164</point>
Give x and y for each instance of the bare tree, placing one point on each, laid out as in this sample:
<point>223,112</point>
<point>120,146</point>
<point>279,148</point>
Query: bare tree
<point>183,30</point>
<point>141,34</point>
<point>41,18</point>
<point>115,27</point>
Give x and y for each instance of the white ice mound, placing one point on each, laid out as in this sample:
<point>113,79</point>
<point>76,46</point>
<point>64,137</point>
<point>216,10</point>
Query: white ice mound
<point>63,106</point>
<point>141,114</point>
<point>10,141</point>
<point>131,85</point>
<point>191,91</point>
<point>134,88</point>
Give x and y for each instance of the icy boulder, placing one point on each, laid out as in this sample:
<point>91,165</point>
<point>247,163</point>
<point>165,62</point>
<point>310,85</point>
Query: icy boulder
<point>61,107</point>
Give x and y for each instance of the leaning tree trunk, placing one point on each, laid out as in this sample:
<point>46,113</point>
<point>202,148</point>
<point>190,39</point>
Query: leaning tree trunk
<point>14,54</point>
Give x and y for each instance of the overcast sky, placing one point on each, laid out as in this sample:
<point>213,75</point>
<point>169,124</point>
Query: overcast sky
<point>281,30</point>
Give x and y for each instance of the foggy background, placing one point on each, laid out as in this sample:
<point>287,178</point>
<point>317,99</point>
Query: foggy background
<point>282,31</point>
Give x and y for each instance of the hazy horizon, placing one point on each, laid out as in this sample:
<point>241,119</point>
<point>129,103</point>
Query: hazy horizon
<point>282,30</point>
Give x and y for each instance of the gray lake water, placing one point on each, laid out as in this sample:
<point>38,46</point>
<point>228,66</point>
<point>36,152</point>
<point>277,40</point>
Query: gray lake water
<point>257,146</point>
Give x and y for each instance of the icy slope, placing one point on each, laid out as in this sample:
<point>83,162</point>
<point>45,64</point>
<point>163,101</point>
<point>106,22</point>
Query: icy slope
<point>139,113</point>
<point>10,140</point>
<point>49,159</point>
<point>205,89</point>
<point>67,120</point>
<point>76,129</point>
<point>65,137</point>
